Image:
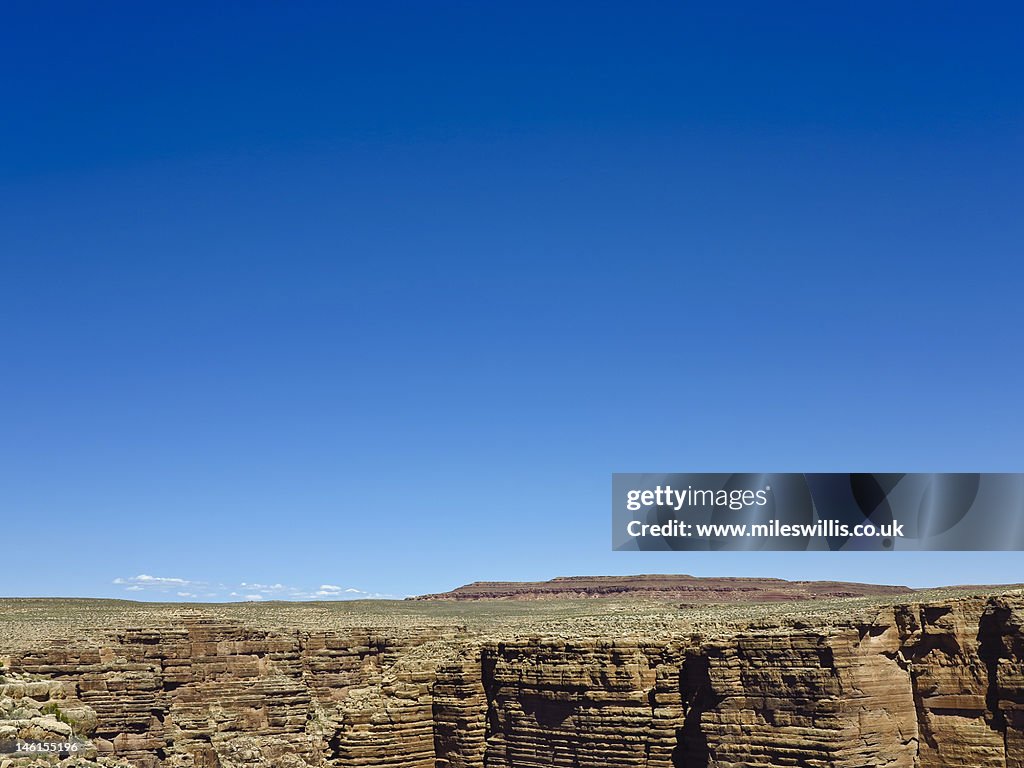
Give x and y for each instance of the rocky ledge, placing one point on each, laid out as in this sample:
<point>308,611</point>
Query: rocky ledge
<point>922,684</point>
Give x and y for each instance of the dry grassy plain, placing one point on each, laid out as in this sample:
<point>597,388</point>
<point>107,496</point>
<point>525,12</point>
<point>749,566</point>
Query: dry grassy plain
<point>27,621</point>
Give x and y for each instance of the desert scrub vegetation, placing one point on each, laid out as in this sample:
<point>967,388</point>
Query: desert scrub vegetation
<point>25,622</point>
<point>53,709</point>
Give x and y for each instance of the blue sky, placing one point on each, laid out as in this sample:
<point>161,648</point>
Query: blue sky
<point>304,298</point>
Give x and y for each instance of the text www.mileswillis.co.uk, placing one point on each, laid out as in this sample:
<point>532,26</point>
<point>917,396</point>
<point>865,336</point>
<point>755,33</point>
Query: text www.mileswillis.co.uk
<point>820,529</point>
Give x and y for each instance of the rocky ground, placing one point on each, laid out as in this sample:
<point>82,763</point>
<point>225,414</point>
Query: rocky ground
<point>925,680</point>
<point>33,711</point>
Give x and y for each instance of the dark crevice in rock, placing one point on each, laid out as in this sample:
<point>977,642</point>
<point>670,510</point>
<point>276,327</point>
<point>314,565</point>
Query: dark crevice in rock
<point>549,713</point>
<point>698,697</point>
<point>991,649</point>
<point>924,728</point>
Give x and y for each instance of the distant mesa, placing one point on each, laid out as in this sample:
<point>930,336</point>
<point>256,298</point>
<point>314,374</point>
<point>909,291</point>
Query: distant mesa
<point>687,589</point>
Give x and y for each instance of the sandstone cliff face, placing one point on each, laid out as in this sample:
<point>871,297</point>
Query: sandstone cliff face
<point>923,686</point>
<point>600,703</point>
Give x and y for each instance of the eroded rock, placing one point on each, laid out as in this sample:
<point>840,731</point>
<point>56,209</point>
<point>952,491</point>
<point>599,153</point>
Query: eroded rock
<point>918,685</point>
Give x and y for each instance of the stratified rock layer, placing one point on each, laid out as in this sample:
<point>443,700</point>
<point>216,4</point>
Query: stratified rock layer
<point>929,685</point>
<point>688,589</point>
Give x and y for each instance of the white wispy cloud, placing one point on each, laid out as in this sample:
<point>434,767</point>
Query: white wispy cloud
<point>177,587</point>
<point>160,579</point>
<point>156,583</point>
<point>265,587</point>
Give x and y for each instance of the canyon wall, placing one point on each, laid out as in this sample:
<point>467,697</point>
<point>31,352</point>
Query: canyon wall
<point>919,685</point>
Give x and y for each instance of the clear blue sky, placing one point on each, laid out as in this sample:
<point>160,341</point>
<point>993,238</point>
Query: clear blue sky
<point>376,296</point>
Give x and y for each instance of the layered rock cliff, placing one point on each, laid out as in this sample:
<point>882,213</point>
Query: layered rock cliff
<point>927,685</point>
